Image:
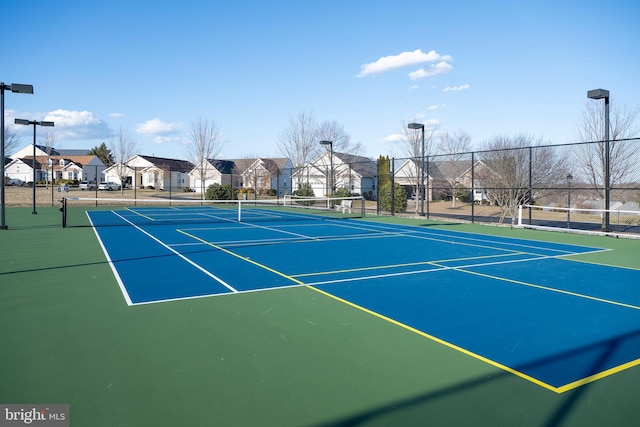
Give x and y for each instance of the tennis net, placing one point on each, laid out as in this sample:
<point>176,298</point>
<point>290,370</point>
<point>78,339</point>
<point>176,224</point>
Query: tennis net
<point>575,220</point>
<point>100,212</point>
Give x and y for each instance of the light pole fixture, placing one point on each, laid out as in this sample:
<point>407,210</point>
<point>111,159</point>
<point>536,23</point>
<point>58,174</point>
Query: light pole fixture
<point>421,191</point>
<point>33,164</point>
<point>16,88</point>
<point>569,179</point>
<point>604,94</point>
<point>331,180</point>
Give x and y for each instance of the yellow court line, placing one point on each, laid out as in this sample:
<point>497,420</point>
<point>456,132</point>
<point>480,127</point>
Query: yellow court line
<point>241,257</point>
<point>445,343</point>
<point>561,389</point>
<point>409,264</point>
<point>598,376</point>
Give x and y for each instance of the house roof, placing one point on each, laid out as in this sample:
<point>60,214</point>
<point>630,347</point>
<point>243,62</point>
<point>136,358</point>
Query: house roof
<point>279,162</point>
<point>363,166</point>
<point>77,160</point>
<point>225,167</point>
<point>51,150</point>
<point>242,164</point>
<point>29,162</point>
<point>172,164</point>
<point>70,152</point>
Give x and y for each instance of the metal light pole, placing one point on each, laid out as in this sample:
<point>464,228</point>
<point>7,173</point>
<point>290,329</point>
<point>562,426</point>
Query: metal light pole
<point>332,183</point>
<point>33,164</point>
<point>16,88</point>
<point>604,94</point>
<point>569,179</point>
<point>422,192</point>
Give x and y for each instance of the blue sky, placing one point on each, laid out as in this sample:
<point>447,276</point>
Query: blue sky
<point>153,67</point>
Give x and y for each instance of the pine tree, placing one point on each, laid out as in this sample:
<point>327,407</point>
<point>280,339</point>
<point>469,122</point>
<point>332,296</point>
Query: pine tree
<point>384,171</point>
<point>103,153</point>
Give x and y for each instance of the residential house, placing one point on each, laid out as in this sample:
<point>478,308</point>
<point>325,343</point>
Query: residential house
<point>150,172</point>
<point>77,168</point>
<point>265,175</point>
<point>22,170</point>
<point>40,151</point>
<point>407,173</point>
<point>355,173</point>
<point>476,178</point>
<point>68,164</point>
<point>209,172</point>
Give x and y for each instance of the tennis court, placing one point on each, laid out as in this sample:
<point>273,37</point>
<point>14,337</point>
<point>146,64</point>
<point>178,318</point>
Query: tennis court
<point>520,305</point>
<point>366,322</point>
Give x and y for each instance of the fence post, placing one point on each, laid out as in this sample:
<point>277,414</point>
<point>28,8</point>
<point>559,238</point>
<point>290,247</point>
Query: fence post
<point>393,186</point>
<point>473,187</point>
<point>378,186</point>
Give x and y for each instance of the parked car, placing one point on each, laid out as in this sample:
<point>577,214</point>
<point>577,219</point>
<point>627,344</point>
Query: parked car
<point>88,185</point>
<point>109,186</point>
<point>16,181</point>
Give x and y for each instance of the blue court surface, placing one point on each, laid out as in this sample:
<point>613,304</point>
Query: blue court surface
<point>521,305</point>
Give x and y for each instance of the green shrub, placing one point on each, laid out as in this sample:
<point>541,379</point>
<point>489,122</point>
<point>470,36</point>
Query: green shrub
<point>305,190</point>
<point>220,192</point>
<point>342,192</point>
<point>400,198</point>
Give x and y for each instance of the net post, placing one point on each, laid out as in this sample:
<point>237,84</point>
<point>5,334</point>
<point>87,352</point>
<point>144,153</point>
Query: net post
<point>63,209</point>
<point>519,215</point>
<point>239,210</point>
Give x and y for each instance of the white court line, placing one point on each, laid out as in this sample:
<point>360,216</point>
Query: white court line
<point>432,270</point>
<point>384,231</point>
<point>127,298</point>
<point>453,236</point>
<point>205,271</point>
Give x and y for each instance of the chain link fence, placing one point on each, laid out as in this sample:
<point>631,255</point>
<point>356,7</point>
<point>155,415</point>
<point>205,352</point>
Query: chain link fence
<point>480,186</point>
<point>489,186</point>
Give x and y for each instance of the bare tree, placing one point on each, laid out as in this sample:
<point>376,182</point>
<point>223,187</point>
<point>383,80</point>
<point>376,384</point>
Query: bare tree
<point>49,141</point>
<point>455,146</point>
<point>123,147</point>
<point>299,143</point>
<point>11,141</point>
<point>206,143</point>
<point>591,158</point>
<point>507,171</point>
<point>411,147</point>
<point>336,133</point>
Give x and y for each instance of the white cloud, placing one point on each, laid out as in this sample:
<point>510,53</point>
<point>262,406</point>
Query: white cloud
<point>387,63</point>
<point>433,70</point>
<point>71,124</point>
<point>433,107</point>
<point>395,137</point>
<point>456,88</point>
<point>116,115</point>
<point>431,123</point>
<point>166,139</point>
<point>157,127</point>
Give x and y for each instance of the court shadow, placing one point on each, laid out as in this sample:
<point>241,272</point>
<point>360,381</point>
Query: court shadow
<point>504,399</point>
